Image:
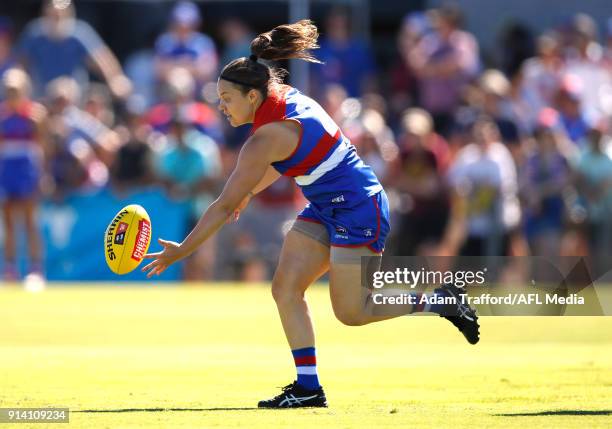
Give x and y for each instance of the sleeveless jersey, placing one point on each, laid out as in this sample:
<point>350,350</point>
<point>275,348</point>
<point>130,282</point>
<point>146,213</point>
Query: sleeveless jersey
<point>18,132</point>
<point>20,154</point>
<point>324,164</point>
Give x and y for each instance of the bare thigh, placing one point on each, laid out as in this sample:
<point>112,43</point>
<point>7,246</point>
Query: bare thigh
<point>348,295</point>
<point>302,261</point>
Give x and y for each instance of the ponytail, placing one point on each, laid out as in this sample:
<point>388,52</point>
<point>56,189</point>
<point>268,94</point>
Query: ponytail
<point>288,41</point>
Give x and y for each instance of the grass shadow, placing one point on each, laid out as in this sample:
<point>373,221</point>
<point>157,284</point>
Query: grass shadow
<point>161,410</point>
<point>560,413</point>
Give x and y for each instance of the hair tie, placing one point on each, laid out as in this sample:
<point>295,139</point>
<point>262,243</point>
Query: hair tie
<point>253,58</point>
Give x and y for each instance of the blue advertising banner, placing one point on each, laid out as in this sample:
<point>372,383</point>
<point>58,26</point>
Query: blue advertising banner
<point>73,232</point>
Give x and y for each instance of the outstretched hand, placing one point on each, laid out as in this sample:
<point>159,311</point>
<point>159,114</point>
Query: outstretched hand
<point>172,252</point>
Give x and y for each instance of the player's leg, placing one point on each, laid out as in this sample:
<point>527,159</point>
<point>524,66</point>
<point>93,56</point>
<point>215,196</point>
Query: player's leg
<point>360,231</point>
<point>302,261</point>
<point>9,217</point>
<point>351,300</point>
<point>354,304</point>
<point>304,258</point>
<point>29,207</point>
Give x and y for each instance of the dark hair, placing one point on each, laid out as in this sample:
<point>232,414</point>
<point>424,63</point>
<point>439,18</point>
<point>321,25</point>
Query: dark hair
<point>281,43</point>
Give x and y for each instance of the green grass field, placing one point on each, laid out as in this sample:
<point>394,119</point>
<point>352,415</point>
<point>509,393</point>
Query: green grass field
<point>147,357</point>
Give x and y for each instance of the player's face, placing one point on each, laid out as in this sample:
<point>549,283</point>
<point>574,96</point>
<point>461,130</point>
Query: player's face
<point>239,108</point>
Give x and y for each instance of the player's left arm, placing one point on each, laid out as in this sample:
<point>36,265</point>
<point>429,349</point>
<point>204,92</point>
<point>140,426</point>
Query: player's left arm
<point>264,147</point>
<point>269,177</point>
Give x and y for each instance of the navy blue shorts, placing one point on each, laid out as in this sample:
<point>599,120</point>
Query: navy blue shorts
<point>365,224</point>
<point>19,178</point>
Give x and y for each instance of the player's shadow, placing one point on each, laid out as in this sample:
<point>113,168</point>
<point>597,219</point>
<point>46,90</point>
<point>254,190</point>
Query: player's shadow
<point>160,410</point>
<point>560,413</point>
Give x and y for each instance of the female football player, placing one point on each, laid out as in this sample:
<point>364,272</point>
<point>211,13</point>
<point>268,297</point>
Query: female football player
<point>21,164</point>
<point>347,213</point>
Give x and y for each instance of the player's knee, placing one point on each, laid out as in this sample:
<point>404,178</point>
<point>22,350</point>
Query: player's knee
<point>350,318</point>
<point>283,293</point>
<point>277,292</point>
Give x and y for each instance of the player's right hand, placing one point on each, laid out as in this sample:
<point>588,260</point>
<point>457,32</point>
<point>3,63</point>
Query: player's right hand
<point>171,253</point>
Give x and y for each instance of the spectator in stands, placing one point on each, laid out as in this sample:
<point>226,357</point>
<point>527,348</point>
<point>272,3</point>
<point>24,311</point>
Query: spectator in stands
<point>82,147</point>
<point>374,141</point>
<point>370,152</point>
<point>333,100</point>
<point>594,183</point>
<point>347,60</point>
<point>7,59</point>
<point>236,36</point>
<point>544,178</point>
<point>496,104</point>
<point>485,210</point>
<point>22,144</point>
<point>585,61</point>
<point>542,74</point>
<point>189,167</point>
<point>569,106</point>
<point>132,167</point>
<point>444,61</point>
<point>180,100</point>
<point>98,103</point>
<point>58,44</point>
<point>184,46</point>
<point>418,178</point>
<point>403,81</point>
<point>515,45</point>
<point>608,46</point>
<point>521,104</point>
<point>461,131</point>
<point>418,122</point>
<point>140,69</point>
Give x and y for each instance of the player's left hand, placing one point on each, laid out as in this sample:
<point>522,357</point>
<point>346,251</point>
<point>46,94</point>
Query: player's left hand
<point>234,218</point>
<point>172,252</point>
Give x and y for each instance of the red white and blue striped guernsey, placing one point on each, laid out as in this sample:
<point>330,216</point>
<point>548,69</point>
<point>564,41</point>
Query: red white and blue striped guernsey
<point>343,192</point>
<point>20,154</point>
<point>324,164</point>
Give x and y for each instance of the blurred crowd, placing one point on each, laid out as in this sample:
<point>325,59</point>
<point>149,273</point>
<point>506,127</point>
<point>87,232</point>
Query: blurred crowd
<point>510,158</point>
